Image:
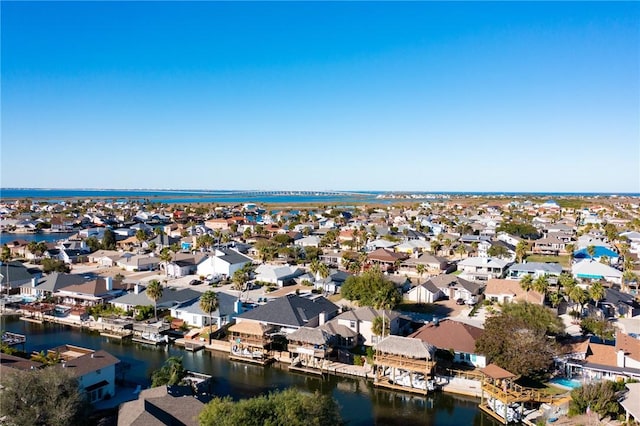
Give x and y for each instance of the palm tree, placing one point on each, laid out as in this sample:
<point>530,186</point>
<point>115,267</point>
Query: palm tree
<point>154,292</point>
<point>591,251</point>
<point>526,283</point>
<point>541,284</point>
<point>570,248</point>
<point>165,256</point>
<point>209,304</point>
<point>596,291</point>
<point>461,250</point>
<point>141,236</point>
<point>578,295</point>
<point>521,251</point>
<point>420,269</point>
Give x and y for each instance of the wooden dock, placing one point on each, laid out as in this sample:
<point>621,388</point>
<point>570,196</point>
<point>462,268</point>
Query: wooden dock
<point>116,335</point>
<point>308,370</point>
<point>33,320</point>
<point>492,413</point>
<point>139,339</point>
<point>251,360</point>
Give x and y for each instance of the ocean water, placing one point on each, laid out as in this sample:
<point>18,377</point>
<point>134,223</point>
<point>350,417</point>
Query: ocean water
<point>240,196</point>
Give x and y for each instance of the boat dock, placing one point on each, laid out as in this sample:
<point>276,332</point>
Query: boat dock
<point>13,339</point>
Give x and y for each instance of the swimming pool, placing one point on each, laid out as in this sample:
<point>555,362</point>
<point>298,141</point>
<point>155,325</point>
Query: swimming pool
<point>564,382</point>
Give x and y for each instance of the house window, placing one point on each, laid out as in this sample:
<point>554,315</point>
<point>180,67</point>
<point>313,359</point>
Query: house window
<point>352,324</point>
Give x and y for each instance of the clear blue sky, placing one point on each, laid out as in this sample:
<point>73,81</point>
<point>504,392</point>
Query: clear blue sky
<point>412,96</point>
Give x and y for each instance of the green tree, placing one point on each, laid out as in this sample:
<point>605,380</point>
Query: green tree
<point>54,265</point>
<point>93,244</point>
<point>498,251</point>
<point>288,407</point>
<point>109,240</point>
<point>5,254</point>
<point>521,251</point>
<point>517,345</point>
<point>380,327</point>
<point>596,292</point>
<point>536,316</point>
<point>141,236</point>
<point>371,288</point>
<point>591,251</point>
<point>600,397</point>
<point>48,396</point>
<point>209,304</point>
<point>421,269</point>
<point>599,327</point>
<point>154,292</point>
<point>541,284</point>
<point>526,283</point>
<point>171,373</point>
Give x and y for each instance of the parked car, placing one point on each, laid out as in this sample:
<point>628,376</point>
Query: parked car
<point>195,282</point>
<point>460,301</point>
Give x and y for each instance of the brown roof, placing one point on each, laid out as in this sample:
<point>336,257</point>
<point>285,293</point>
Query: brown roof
<point>17,363</point>
<point>450,335</point>
<point>495,372</point>
<point>384,255</point>
<point>511,287</point>
<point>250,327</point>
<point>575,347</point>
<point>155,405</point>
<point>602,354</point>
<point>629,345</point>
<point>90,362</point>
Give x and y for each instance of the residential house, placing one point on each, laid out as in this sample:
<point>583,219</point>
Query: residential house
<point>599,252</point>
<point>534,269</point>
<point>433,265</point>
<point>107,258</point>
<point>449,335</point>
<point>455,287</point>
<point>192,314</point>
<point>388,260</point>
<point>310,241</point>
<point>138,297</point>
<point>161,406</point>
<point>184,264</point>
<point>597,361</point>
<point>47,285</point>
<point>332,283</point>
<point>13,275</point>
<point>413,247</point>
<point>617,304</point>
<point>279,275</point>
<point>138,262</point>
<point>224,262</point>
<point>591,270</point>
<point>361,320</point>
<point>290,312</point>
<point>90,293</point>
<point>509,291</point>
<point>95,371</point>
<point>482,268</point>
<point>551,245</point>
<point>426,292</point>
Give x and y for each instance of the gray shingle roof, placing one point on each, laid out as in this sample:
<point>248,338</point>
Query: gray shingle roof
<point>291,310</point>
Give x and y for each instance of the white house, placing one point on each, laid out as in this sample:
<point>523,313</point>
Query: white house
<point>223,262</point>
<point>277,274</point>
<point>361,321</point>
<point>535,269</point>
<point>482,268</point>
<point>94,370</point>
<point>591,270</point>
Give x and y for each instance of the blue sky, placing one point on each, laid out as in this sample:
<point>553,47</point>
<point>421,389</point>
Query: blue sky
<point>414,96</point>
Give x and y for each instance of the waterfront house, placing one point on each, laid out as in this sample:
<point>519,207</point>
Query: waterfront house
<point>404,363</point>
<point>361,320</point>
<point>13,275</point>
<point>138,297</point>
<point>47,285</point>
<point>95,371</point>
<point>18,363</point>
<point>457,337</point>
<point>589,361</point>
<point>160,406</point>
<point>309,347</point>
<point>91,292</point>
<point>192,314</point>
<point>288,313</point>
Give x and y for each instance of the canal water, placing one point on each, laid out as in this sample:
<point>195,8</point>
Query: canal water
<point>361,404</point>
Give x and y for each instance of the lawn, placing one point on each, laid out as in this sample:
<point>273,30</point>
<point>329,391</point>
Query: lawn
<point>562,260</point>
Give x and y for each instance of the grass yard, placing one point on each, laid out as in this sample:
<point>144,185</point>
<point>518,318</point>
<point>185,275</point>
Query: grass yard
<point>562,260</point>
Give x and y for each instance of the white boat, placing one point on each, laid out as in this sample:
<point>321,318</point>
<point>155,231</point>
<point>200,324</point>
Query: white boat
<point>512,410</point>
